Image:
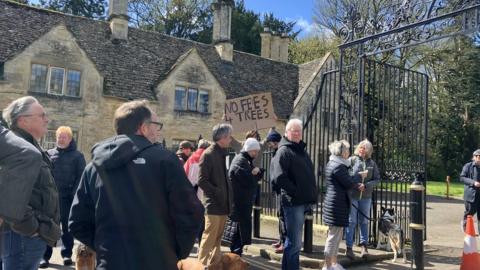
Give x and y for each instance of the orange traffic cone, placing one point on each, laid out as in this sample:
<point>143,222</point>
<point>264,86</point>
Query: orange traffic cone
<point>471,257</point>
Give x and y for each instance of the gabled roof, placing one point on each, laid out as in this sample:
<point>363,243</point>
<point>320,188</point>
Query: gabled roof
<point>133,68</point>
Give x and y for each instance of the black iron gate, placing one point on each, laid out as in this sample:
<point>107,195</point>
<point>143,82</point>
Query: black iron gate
<point>390,109</point>
<point>366,97</point>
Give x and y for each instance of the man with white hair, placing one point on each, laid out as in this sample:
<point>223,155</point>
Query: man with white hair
<point>292,173</point>
<point>25,241</point>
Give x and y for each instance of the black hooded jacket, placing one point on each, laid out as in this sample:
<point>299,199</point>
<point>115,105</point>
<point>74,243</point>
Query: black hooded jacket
<point>135,206</point>
<point>68,165</point>
<point>291,172</point>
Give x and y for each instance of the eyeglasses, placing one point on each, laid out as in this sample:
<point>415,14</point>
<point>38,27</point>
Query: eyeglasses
<point>41,115</point>
<point>160,125</point>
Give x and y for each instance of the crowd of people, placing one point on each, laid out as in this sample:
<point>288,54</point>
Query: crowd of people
<point>140,206</point>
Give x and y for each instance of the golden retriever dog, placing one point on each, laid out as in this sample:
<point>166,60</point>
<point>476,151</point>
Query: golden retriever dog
<point>84,258</point>
<point>190,264</point>
<point>230,261</point>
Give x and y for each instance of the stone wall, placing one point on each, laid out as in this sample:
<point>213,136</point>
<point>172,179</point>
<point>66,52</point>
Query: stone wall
<point>311,83</point>
<point>85,114</point>
<point>91,114</point>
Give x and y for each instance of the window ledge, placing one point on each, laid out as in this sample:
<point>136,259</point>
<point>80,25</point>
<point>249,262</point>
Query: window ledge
<point>54,96</point>
<point>191,113</point>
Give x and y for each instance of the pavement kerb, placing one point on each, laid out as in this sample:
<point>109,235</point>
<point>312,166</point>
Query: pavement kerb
<point>273,221</point>
<point>306,262</point>
<point>316,263</point>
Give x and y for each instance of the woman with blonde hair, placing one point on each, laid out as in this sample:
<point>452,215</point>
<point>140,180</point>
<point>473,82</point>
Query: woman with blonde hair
<point>361,200</point>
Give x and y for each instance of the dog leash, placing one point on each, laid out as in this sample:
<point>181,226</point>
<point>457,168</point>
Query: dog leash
<point>363,214</point>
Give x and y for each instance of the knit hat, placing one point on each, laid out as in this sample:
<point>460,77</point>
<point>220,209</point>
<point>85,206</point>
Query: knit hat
<point>186,145</point>
<point>250,144</point>
<point>274,136</point>
<point>477,152</point>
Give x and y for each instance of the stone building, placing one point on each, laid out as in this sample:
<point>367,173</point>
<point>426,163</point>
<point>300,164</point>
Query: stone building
<point>83,69</point>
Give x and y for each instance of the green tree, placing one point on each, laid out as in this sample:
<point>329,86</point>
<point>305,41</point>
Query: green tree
<point>85,8</point>
<point>191,19</point>
<point>247,26</point>
<point>454,107</point>
<point>311,48</point>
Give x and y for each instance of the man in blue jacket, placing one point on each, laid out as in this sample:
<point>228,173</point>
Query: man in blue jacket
<point>134,205</point>
<point>68,164</point>
<point>470,176</point>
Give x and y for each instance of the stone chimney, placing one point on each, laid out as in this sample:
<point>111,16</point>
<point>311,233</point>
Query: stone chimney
<point>274,46</point>
<point>284,43</point>
<point>266,37</point>
<point>118,18</point>
<point>222,22</point>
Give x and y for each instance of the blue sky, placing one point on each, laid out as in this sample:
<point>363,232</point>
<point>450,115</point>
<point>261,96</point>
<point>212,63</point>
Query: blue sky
<point>300,11</point>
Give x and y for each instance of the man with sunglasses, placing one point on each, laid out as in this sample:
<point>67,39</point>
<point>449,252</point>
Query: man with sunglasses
<point>134,205</point>
<point>470,177</point>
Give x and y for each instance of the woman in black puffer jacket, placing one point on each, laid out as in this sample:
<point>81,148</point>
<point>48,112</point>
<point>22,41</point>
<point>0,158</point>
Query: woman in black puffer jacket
<point>336,206</point>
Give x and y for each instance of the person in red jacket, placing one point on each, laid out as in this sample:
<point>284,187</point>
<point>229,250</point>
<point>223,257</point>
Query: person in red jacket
<point>192,169</point>
<point>191,166</point>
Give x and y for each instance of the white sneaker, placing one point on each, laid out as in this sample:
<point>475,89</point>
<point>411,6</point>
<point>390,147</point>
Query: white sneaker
<point>338,266</point>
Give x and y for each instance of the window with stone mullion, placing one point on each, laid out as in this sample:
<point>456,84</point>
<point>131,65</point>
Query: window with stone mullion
<point>38,78</point>
<point>203,98</point>
<point>73,83</point>
<point>180,99</point>
<point>55,84</point>
<point>192,99</point>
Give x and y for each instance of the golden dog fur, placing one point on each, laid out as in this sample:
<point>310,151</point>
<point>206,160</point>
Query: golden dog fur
<point>84,258</point>
<point>229,261</point>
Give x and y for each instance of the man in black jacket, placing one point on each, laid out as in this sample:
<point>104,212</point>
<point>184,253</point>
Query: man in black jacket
<point>68,165</point>
<point>292,172</point>
<point>134,205</point>
<point>25,239</point>
<point>470,176</point>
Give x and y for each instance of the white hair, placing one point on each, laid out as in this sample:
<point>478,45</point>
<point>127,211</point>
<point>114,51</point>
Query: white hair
<point>368,148</point>
<point>17,108</point>
<point>293,122</point>
<point>337,148</point>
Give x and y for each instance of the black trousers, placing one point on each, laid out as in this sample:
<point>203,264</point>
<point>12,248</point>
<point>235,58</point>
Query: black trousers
<point>472,209</point>
<point>67,237</point>
<point>237,246</point>
<point>282,229</point>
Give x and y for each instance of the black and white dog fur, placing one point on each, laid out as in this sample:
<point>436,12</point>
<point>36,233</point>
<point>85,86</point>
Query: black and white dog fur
<point>392,232</point>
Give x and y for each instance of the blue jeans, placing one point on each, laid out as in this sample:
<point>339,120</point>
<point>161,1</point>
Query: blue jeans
<point>21,252</point>
<point>294,219</point>
<point>357,218</point>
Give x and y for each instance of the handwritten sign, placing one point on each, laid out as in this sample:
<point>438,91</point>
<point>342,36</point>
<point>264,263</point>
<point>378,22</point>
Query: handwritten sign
<point>250,112</point>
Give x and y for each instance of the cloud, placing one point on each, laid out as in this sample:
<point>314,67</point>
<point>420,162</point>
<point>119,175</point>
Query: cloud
<point>306,26</point>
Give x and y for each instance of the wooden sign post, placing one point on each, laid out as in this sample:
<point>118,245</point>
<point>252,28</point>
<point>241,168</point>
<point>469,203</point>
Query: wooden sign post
<point>250,112</point>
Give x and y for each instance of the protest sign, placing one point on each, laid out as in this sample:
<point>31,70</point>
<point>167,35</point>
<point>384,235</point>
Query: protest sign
<point>250,112</point>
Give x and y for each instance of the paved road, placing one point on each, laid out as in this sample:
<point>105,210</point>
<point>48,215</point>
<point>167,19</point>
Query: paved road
<point>256,263</point>
<point>443,236</point>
